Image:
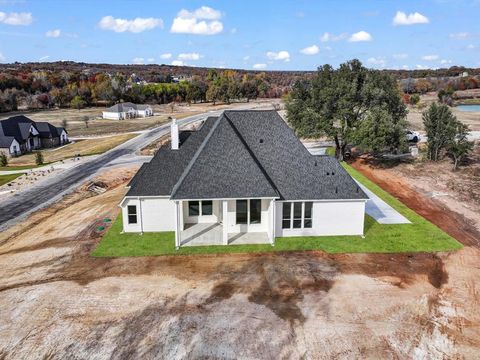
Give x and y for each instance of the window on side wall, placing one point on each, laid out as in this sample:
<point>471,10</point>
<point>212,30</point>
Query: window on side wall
<point>193,208</point>
<point>132,214</point>
<point>242,211</point>
<point>207,207</point>
<point>307,217</point>
<point>255,211</point>
<point>286,218</point>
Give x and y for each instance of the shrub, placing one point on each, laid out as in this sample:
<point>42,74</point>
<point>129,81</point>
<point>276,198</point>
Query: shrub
<point>39,158</point>
<point>3,159</point>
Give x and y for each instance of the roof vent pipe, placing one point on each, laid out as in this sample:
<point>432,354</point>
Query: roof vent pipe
<point>174,135</point>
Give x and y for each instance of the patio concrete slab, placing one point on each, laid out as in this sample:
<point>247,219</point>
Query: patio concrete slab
<point>212,234</point>
<point>380,210</point>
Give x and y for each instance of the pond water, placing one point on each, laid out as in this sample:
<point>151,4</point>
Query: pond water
<point>469,108</point>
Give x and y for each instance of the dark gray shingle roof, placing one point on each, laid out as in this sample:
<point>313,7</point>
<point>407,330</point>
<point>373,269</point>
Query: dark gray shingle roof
<point>244,154</point>
<point>126,106</point>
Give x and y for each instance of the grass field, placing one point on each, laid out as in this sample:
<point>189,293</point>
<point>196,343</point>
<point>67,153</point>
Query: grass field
<point>76,125</point>
<point>419,236</point>
<point>20,167</point>
<point>82,147</point>
<point>4,179</point>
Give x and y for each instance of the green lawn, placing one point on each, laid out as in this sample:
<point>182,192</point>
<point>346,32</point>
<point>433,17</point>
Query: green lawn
<point>7,178</point>
<point>419,236</point>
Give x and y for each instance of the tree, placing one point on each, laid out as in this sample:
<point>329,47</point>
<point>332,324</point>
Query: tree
<point>77,103</point>
<point>336,102</point>
<point>3,159</point>
<point>86,119</point>
<point>459,147</point>
<point>441,127</point>
<point>379,131</point>
<point>39,158</point>
<point>64,123</point>
<point>414,99</point>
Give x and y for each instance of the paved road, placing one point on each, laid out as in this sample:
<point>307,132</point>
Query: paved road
<point>24,203</point>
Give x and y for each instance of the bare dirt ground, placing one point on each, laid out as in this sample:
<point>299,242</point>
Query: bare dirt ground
<point>57,302</point>
<point>414,117</point>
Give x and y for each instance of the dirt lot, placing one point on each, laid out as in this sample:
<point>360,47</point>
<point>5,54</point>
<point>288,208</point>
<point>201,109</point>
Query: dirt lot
<point>97,126</point>
<point>414,116</point>
<point>57,302</point>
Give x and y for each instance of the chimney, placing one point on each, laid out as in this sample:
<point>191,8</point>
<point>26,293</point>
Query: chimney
<point>174,134</point>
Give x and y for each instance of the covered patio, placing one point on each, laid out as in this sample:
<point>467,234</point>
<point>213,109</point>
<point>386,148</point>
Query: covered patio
<point>204,234</point>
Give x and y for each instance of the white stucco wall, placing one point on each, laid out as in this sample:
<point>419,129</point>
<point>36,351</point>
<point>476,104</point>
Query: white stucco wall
<point>215,217</point>
<point>328,218</point>
<point>233,227</point>
<point>153,214</point>
<point>111,115</point>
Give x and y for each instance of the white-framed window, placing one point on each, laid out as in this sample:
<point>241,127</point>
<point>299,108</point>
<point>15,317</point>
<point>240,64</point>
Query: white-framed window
<point>249,211</point>
<point>297,215</point>
<point>132,214</point>
<point>200,208</point>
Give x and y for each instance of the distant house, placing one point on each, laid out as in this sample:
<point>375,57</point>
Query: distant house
<point>19,135</point>
<point>127,110</point>
<point>242,177</point>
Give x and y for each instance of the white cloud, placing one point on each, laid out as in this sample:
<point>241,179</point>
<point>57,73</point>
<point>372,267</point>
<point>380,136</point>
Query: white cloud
<point>400,56</point>
<point>2,57</point>
<point>460,36</point>
<point>360,36</point>
<point>233,30</point>
<point>430,57</point>
<point>202,21</point>
<point>178,63</point>
<point>331,37</point>
<point>402,18</point>
<point>166,56</point>
<point>420,67</point>
<point>378,62</point>
<point>405,67</point>
<point>43,58</point>
<point>53,33</point>
<point>281,55</point>
<point>189,56</point>
<point>136,25</point>
<point>445,62</point>
<point>471,46</point>
<point>246,58</point>
<point>259,66</point>
<point>138,61</point>
<point>16,18</point>
<point>310,50</point>
<point>150,59</point>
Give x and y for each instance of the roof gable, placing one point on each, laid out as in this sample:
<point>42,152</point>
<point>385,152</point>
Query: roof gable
<point>223,167</point>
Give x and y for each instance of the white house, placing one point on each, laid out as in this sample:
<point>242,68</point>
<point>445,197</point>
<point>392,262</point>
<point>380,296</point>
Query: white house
<point>19,135</point>
<point>127,111</point>
<point>243,177</point>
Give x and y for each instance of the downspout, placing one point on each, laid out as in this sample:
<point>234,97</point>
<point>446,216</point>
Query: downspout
<point>273,221</point>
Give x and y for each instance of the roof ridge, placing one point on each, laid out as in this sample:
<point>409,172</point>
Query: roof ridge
<point>194,158</point>
<point>252,154</point>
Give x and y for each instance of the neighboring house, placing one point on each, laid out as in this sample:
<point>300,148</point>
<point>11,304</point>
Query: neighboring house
<point>127,110</point>
<point>19,135</point>
<point>243,173</point>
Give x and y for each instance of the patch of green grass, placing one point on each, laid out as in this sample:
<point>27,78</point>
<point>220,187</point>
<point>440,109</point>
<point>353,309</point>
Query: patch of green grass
<point>419,236</point>
<point>4,179</point>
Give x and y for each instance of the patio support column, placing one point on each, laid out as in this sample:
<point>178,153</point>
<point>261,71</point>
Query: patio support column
<point>177,226</point>
<point>225,222</point>
<point>272,222</point>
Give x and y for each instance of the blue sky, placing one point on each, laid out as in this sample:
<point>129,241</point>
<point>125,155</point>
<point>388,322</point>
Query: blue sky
<point>270,35</point>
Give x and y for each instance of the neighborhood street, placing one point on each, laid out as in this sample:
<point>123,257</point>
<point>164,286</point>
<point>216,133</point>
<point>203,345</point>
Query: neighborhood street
<point>49,191</point>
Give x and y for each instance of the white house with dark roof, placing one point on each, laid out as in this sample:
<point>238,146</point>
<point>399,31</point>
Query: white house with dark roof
<point>19,135</point>
<point>127,110</point>
<point>242,177</point>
